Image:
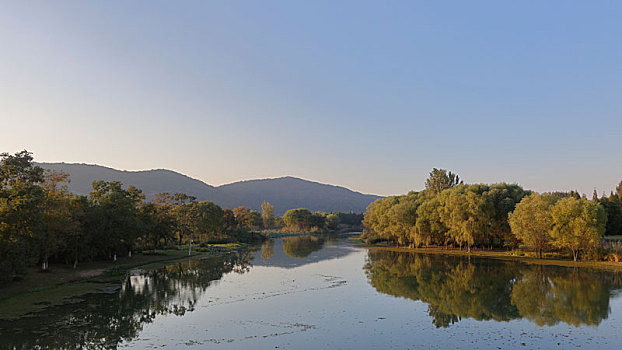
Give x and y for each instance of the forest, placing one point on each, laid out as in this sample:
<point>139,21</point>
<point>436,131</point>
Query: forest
<point>42,221</point>
<point>502,216</point>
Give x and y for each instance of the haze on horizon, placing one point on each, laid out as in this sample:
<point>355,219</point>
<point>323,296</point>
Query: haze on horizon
<point>370,96</point>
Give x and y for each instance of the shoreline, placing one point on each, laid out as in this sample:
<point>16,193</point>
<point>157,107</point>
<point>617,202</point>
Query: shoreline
<point>504,255</point>
<point>64,285</point>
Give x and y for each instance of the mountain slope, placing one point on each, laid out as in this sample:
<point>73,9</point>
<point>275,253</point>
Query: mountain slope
<point>284,193</point>
<point>290,192</point>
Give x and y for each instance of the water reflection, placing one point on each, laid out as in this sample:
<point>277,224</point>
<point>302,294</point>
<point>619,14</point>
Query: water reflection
<point>302,246</point>
<point>292,252</point>
<point>104,320</point>
<point>487,289</point>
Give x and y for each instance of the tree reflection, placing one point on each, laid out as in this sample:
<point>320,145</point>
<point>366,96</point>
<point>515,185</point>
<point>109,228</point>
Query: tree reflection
<point>549,297</point>
<point>486,289</point>
<point>267,249</point>
<point>104,320</point>
<point>302,246</point>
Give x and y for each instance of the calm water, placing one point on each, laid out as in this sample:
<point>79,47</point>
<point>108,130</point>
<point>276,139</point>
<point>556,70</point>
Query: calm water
<point>312,293</point>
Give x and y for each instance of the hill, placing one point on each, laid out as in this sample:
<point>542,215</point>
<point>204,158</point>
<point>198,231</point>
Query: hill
<point>284,192</point>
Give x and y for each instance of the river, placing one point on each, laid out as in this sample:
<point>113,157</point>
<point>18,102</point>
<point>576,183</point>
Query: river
<point>322,292</point>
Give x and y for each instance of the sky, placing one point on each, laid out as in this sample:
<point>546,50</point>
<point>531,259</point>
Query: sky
<point>370,95</point>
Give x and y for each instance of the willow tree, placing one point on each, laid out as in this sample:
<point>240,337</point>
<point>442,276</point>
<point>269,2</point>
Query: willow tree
<point>578,225</point>
<point>376,219</point>
<point>402,217</point>
<point>428,224</point>
<point>467,214</point>
<point>531,221</point>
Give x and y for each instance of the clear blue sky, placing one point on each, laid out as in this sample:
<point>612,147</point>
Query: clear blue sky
<point>369,95</point>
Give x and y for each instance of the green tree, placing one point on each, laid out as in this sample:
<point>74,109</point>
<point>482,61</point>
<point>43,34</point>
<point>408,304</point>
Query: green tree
<point>79,240</point>
<point>377,220</point>
<point>21,214</point>
<point>502,198</point>
<point>531,221</point>
<point>402,218</point>
<point>613,208</point>
<point>267,214</point>
<point>429,225</point>
<point>578,225</point>
<point>440,180</point>
<point>332,221</point>
<point>115,217</point>
<point>58,222</point>
<point>318,220</point>
<point>209,219</point>
<point>298,219</point>
<point>158,224</point>
<point>466,213</point>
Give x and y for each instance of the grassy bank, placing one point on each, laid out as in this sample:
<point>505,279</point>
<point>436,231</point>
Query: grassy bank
<point>63,284</point>
<point>506,255</point>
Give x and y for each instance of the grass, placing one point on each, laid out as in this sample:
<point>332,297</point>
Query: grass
<point>64,285</point>
<point>509,255</point>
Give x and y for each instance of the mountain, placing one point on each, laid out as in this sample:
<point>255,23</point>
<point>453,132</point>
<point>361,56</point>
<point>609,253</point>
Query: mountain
<point>284,192</point>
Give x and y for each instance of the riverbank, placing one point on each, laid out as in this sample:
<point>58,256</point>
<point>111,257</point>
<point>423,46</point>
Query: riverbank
<point>63,284</point>
<point>504,255</point>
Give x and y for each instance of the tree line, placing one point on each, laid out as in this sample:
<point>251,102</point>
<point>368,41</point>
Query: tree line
<point>42,221</point>
<point>451,213</point>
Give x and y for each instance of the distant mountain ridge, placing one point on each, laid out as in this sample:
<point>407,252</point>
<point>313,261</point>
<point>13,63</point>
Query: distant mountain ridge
<point>284,192</point>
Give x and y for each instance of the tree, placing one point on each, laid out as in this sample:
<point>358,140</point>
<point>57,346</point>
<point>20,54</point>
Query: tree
<point>619,191</point>
<point>57,218</point>
<point>318,220</point>
<point>79,239</point>
<point>402,218</point>
<point>502,198</point>
<point>466,214</point>
<point>21,214</point>
<point>376,219</point>
<point>229,223</point>
<point>209,219</point>
<point>428,225</point>
<point>440,180</point>
<point>115,217</point>
<point>298,219</point>
<point>578,224</point>
<point>332,221</point>
<point>531,221</point>
<point>245,218</point>
<point>158,224</point>
<point>613,208</point>
<point>267,214</point>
